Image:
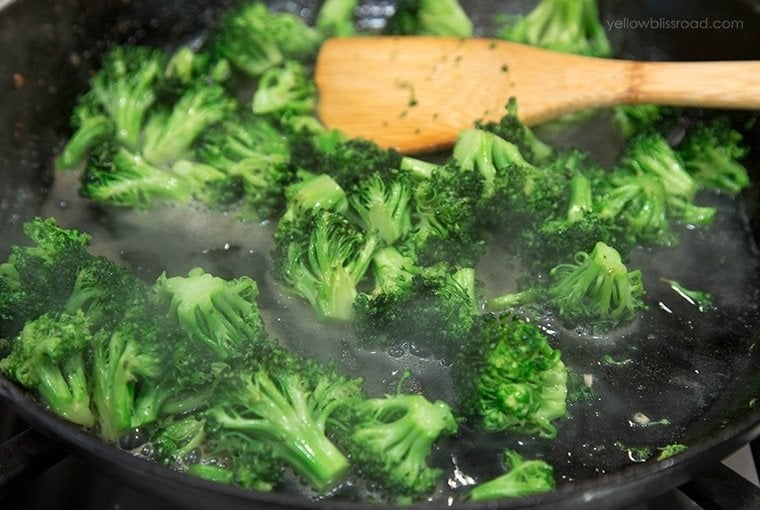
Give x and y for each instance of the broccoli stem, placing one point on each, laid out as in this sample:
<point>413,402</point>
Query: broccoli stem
<point>284,417</point>
<point>66,390</point>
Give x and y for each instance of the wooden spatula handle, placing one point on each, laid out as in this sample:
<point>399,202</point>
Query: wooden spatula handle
<point>418,93</point>
<point>734,84</point>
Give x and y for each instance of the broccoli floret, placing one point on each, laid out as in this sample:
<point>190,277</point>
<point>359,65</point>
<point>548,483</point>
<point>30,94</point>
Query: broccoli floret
<point>632,120</point>
<point>569,26</point>
<point>384,205</point>
<point>253,153</point>
<point>712,151</point>
<point>170,133</point>
<point>104,290</point>
<point>128,365</point>
<point>429,17</point>
<point>308,194</point>
<point>40,277</point>
<point>187,67</point>
<point>91,126</point>
<point>221,314</point>
<point>430,307</point>
<point>637,206</point>
<point>286,405</point>
<point>704,301</point>
<point>336,18</point>
<point>115,175</point>
<point>322,258</point>
<point>510,128</point>
<point>650,154</point>
<point>125,87</point>
<point>346,160</point>
<point>255,39</point>
<point>48,356</point>
<point>446,223</point>
<point>286,89</point>
<point>391,439</point>
<point>509,377</point>
<point>671,450</point>
<point>523,478</point>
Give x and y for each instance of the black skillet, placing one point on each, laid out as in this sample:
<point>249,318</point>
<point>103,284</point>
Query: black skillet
<point>698,371</point>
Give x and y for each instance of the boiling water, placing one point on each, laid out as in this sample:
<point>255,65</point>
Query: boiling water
<point>650,382</point>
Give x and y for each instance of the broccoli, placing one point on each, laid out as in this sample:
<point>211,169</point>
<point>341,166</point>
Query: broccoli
<point>91,126</point>
<point>222,315</point>
<point>509,377</point>
<point>429,17</point>
<point>323,258</point>
<point>40,277</point>
<point>650,154</point>
<point>170,133</point>
<point>128,364</point>
<point>632,120</point>
<point>285,404</point>
<point>523,478</point>
<point>285,89</point>
<point>310,193</point>
<point>347,161</point>
<point>510,128</point>
<point>229,457</point>
<point>384,205</point>
<point>186,67</point>
<point>391,439</point>
<point>637,208</point>
<point>429,307</point>
<point>48,356</point>
<point>446,222</point>
<point>569,26</point>
<point>704,301</point>
<point>253,153</point>
<point>711,151</point>
<point>335,18</point>
<point>595,291</point>
<point>115,175</point>
<point>670,450</point>
<point>255,39</point>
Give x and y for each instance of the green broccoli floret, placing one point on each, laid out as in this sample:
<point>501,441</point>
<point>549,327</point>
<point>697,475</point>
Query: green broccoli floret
<point>509,377</point>
<point>446,222</point>
<point>40,277</point>
<point>285,405</point>
<point>569,26</point>
<point>308,194</point>
<point>650,154</point>
<point>392,438</point>
<point>634,119</point>
<point>125,88</point>
<point>515,191</point>
<point>254,155</point>
<point>286,89</point>
<point>255,39</point>
<point>712,151</point>
<point>323,257</point>
<point>704,301</point>
<point>115,175</point>
<point>48,356</point>
<point>187,67</point>
<point>128,366</point>
<point>384,205</point>
<point>335,18</point>
<point>637,207</point>
<point>221,314</point>
<point>91,126</point>
<point>346,160</point>
<point>523,478</point>
<point>510,128</point>
<point>671,450</point>
<point>596,291</point>
<point>429,307</point>
<point>170,133</point>
<point>429,17</point>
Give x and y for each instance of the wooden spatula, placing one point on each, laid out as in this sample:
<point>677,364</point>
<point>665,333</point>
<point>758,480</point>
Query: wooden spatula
<point>417,93</point>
